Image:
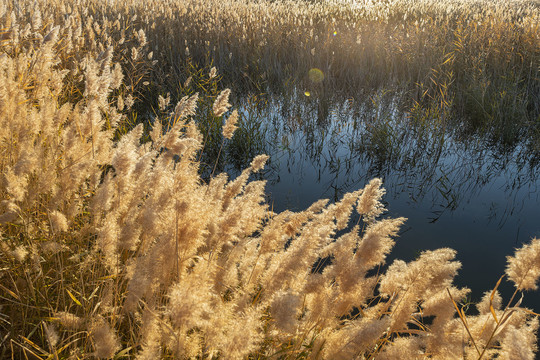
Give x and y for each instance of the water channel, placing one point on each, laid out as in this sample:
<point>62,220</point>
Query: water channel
<point>457,189</point>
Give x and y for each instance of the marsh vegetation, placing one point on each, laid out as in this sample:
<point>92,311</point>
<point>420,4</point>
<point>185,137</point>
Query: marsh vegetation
<point>140,219</point>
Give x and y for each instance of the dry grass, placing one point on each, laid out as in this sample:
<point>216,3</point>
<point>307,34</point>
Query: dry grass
<point>112,245</point>
<point>478,58</point>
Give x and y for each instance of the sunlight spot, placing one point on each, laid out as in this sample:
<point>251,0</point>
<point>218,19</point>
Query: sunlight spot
<point>316,75</point>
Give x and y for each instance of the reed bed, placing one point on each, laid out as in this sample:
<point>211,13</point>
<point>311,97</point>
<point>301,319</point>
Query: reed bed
<point>113,246</point>
<point>478,59</point>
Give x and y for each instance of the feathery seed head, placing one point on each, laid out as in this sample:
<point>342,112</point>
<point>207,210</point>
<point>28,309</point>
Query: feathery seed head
<point>221,104</point>
<point>258,162</point>
<point>105,341</point>
<point>58,221</point>
<point>186,107</point>
<point>69,320</point>
<point>524,267</point>
<point>230,125</point>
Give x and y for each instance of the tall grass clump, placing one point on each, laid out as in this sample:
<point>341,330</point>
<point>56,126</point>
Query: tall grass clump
<point>114,247</point>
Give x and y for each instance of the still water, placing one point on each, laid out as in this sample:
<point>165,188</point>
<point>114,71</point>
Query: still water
<point>457,189</point>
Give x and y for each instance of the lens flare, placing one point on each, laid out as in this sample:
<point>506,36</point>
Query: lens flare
<point>316,75</point>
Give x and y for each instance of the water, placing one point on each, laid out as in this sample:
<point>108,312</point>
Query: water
<point>457,189</point>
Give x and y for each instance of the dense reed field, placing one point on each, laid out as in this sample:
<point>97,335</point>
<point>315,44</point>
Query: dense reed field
<point>476,61</point>
<point>120,237</point>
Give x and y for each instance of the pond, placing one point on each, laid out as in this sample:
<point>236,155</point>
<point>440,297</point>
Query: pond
<point>458,189</point>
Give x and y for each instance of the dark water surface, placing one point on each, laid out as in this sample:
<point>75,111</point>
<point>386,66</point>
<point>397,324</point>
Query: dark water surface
<point>458,189</point>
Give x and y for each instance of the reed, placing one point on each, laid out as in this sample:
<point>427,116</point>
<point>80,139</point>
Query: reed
<point>113,246</point>
<point>477,59</point>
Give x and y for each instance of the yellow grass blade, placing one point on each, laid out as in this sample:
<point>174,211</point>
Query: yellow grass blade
<point>73,298</point>
<point>34,345</point>
<point>491,299</point>
<point>10,292</point>
<point>463,320</point>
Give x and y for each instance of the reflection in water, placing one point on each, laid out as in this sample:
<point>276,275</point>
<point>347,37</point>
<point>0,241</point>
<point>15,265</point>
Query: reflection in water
<point>458,189</point>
